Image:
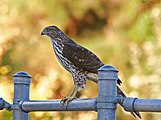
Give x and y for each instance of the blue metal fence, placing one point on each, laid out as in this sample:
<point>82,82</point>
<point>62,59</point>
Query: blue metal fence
<point>105,104</point>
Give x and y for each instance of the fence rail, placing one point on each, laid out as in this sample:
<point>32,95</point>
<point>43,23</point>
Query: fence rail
<point>105,104</point>
<point>54,105</point>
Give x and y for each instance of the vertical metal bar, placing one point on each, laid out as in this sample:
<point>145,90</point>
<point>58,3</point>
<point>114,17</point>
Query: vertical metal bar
<point>21,93</point>
<point>107,91</point>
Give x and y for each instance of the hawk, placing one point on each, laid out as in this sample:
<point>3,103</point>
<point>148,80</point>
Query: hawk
<point>79,61</point>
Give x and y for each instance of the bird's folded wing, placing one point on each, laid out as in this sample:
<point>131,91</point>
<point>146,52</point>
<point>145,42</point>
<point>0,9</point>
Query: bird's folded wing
<point>82,57</point>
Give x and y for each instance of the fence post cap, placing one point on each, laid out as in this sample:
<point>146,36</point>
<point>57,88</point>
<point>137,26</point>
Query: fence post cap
<point>107,68</point>
<point>22,74</point>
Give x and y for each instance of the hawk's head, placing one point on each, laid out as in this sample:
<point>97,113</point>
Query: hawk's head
<point>55,34</point>
<point>52,32</point>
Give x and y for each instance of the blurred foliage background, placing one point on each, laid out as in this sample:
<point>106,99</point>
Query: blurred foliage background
<point>124,33</point>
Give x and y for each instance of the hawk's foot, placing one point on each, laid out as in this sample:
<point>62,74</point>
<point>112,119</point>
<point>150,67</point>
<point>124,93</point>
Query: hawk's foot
<point>66,100</point>
<point>71,97</point>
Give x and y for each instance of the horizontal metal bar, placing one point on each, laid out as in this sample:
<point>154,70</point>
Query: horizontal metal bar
<point>129,104</point>
<point>4,104</point>
<point>141,105</point>
<point>54,105</point>
<point>147,105</point>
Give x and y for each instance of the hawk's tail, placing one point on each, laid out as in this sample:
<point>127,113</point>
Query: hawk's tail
<point>135,113</point>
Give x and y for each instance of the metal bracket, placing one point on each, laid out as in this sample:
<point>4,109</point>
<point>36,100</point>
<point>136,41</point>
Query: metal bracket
<point>127,103</point>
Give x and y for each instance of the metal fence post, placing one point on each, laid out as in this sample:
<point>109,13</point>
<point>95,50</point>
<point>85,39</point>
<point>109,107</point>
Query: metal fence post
<point>107,91</point>
<point>21,93</point>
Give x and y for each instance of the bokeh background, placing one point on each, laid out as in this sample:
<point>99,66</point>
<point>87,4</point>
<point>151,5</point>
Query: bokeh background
<point>124,33</point>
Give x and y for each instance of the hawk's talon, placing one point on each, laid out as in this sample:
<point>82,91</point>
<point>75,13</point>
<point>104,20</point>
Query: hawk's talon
<point>62,102</point>
<point>66,101</point>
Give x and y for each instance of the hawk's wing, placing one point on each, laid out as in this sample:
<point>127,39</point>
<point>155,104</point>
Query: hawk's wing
<point>82,57</point>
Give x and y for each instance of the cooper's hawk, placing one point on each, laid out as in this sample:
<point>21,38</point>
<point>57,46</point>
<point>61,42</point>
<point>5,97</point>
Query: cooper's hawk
<point>79,61</point>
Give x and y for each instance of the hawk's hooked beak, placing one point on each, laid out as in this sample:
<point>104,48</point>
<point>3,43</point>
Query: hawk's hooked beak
<point>43,33</point>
